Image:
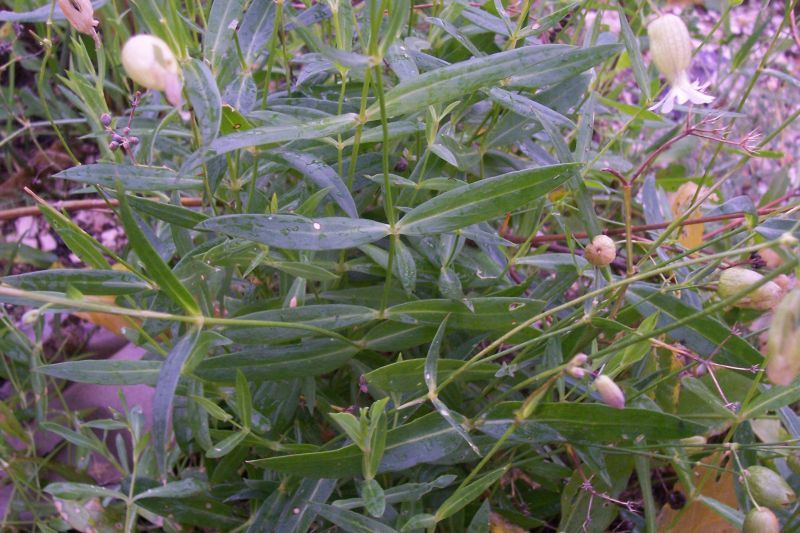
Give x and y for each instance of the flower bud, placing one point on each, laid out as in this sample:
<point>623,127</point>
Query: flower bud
<point>761,520</point>
<point>150,63</point>
<point>769,488</point>
<point>783,341</point>
<point>610,392</point>
<point>80,13</point>
<point>574,366</point>
<point>735,279</point>
<point>105,119</point>
<point>793,460</point>
<point>601,251</point>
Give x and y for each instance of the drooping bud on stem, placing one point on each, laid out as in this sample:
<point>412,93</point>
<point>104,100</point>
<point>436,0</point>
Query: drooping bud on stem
<point>80,13</point>
<point>150,63</point>
<point>783,341</point>
<point>610,392</point>
<point>761,520</point>
<point>734,280</point>
<point>768,487</point>
<point>601,251</point>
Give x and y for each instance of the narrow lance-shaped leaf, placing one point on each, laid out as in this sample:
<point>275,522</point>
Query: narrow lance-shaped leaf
<point>201,87</point>
<point>165,394</point>
<point>299,233</point>
<point>483,200</point>
<point>465,494</point>
<point>323,176</point>
<point>156,267</point>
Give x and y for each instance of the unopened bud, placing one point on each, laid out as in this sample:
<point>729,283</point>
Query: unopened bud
<point>574,366</point>
<point>735,280</point>
<point>769,488</point>
<point>761,520</point>
<point>133,140</point>
<point>601,251</point>
<point>793,460</point>
<point>150,63</point>
<point>105,119</point>
<point>772,259</point>
<point>30,317</point>
<point>610,392</point>
<point>694,444</point>
<point>80,13</point>
<point>787,240</point>
<point>783,341</point>
<point>113,145</point>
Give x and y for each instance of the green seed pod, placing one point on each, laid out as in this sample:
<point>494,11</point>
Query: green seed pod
<point>768,487</point>
<point>793,460</point>
<point>783,341</point>
<point>761,520</point>
<point>734,280</point>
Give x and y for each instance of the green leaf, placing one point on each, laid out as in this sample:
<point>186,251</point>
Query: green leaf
<point>408,376</point>
<point>351,427</point>
<point>407,492</point>
<point>771,400</point>
<point>81,243</point>
<point>105,371</point>
<point>74,437</point>
<point>226,445</point>
<point>314,129</point>
<point>203,93</point>
<point>80,491</point>
<point>485,314</point>
<point>774,228</point>
<point>244,400</point>
<point>465,494</point>
<point>175,489</point>
<point>323,176</point>
<point>432,359</point>
<point>422,441</point>
<point>219,33</point>
<point>196,510</point>
<point>299,233</point>
<point>635,55</point>
<point>165,393</point>
<point>480,521</point>
<point>327,316</point>
<point>92,282</point>
<point>173,214</point>
<point>308,358</point>
<point>551,63</point>
<point>139,178</point>
<point>156,267</point>
<point>350,521</point>
<point>309,271</point>
<point>482,200</point>
<point>703,334</point>
<point>601,423</point>
<point>373,496</point>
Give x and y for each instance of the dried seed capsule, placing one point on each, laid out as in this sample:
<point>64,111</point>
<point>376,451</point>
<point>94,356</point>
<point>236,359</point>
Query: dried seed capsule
<point>768,487</point>
<point>761,520</point>
<point>734,280</point>
<point>150,63</point>
<point>610,392</point>
<point>601,251</point>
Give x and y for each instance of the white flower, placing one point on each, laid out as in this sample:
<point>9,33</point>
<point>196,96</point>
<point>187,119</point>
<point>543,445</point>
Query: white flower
<point>150,63</point>
<point>80,14</point>
<point>671,50</point>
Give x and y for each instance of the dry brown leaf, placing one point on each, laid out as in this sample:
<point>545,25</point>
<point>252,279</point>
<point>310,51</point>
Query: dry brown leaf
<point>113,323</point>
<point>498,524</point>
<point>691,236</point>
<point>696,517</point>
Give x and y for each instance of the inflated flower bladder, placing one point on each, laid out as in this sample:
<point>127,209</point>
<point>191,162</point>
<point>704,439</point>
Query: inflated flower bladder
<point>671,51</point>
